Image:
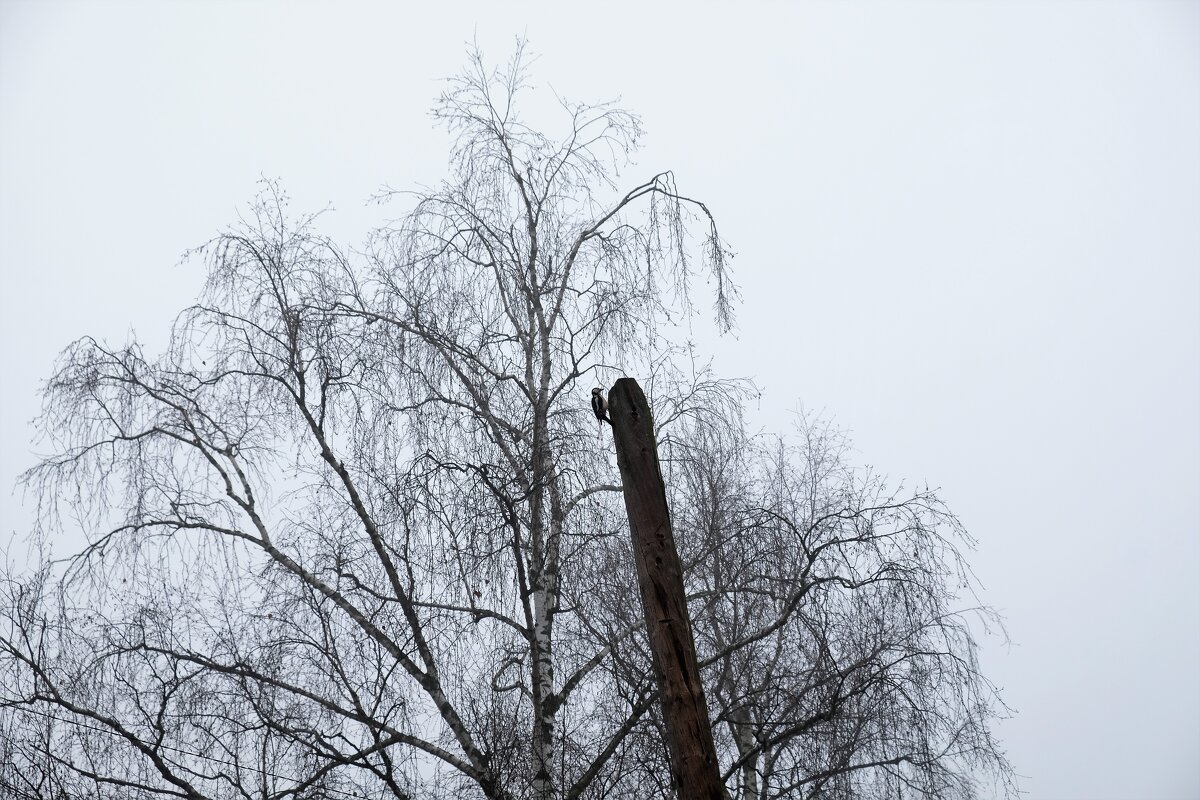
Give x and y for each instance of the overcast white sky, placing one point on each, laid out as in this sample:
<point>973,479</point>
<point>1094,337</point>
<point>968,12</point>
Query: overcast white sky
<point>970,232</point>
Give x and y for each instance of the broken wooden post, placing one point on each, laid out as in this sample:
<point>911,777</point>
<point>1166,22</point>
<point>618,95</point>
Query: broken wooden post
<point>688,730</point>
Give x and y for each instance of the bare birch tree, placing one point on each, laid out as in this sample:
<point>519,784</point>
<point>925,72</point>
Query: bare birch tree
<point>354,533</point>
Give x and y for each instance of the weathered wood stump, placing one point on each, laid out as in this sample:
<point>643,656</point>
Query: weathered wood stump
<point>694,764</point>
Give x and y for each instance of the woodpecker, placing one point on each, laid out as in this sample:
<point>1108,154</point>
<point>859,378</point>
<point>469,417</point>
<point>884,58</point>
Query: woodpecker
<point>600,405</point>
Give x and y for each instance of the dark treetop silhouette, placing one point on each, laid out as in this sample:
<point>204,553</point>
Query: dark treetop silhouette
<point>354,535</point>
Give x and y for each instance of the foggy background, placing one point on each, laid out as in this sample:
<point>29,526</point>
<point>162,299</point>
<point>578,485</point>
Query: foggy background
<point>967,232</point>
